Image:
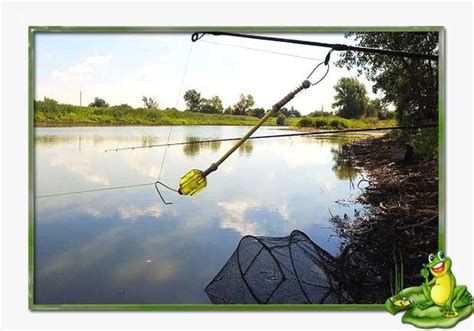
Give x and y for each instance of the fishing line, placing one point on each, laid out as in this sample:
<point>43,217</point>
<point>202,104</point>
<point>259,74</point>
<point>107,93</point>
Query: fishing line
<point>337,47</point>
<point>313,133</point>
<point>285,135</point>
<point>263,50</point>
<point>171,129</point>
<point>93,190</point>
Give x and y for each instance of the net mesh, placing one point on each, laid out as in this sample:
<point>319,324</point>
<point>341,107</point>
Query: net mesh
<point>276,270</point>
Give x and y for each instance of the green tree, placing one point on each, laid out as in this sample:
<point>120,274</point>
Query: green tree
<point>375,107</point>
<point>257,112</point>
<point>320,113</point>
<point>293,112</point>
<point>283,111</point>
<point>193,100</point>
<point>245,103</point>
<point>150,103</point>
<point>48,105</point>
<point>351,99</point>
<point>98,102</point>
<point>212,105</point>
<point>410,84</point>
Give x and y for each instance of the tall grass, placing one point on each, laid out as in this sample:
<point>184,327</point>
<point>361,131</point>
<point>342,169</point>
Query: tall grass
<point>396,275</point>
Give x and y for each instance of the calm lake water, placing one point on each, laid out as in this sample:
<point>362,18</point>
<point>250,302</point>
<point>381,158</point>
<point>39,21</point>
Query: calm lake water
<point>126,246</point>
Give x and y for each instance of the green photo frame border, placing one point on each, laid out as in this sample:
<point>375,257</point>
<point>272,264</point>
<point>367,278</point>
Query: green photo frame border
<point>32,30</point>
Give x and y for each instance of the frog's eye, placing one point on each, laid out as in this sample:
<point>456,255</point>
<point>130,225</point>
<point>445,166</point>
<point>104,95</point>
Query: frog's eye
<point>430,258</point>
<point>441,255</point>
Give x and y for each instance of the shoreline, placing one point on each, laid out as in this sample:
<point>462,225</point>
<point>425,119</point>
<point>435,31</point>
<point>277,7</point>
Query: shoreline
<point>393,238</point>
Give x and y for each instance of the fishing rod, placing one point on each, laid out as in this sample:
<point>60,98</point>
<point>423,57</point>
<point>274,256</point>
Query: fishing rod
<point>195,180</point>
<point>284,135</point>
<point>336,47</point>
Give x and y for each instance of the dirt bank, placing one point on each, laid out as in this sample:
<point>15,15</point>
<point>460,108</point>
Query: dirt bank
<point>401,226</point>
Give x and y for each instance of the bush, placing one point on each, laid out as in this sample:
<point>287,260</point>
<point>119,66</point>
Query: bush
<point>337,124</point>
<point>320,123</point>
<point>281,120</point>
<point>305,122</point>
<point>425,143</point>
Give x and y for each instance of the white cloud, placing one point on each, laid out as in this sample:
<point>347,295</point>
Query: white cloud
<point>82,71</point>
<point>236,219</point>
<point>132,213</point>
<point>81,166</point>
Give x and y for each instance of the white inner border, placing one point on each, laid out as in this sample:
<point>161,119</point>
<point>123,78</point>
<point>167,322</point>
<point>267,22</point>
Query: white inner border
<point>456,17</point>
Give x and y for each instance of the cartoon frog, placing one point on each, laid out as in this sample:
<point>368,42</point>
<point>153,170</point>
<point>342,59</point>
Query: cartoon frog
<point>441,290</point>
<point>437,302</point>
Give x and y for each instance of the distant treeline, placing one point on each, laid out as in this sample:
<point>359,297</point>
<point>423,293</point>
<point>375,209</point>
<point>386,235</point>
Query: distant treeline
<point>49,112</point>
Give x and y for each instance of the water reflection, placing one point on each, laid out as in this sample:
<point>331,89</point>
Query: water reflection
<point>246,148</point>
<point>148,141</point>
<point>193,148</point>
<point>343,164</point>
<point>125,246</point>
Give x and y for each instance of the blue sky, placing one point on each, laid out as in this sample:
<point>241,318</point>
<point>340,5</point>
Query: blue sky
<point>121,68</point>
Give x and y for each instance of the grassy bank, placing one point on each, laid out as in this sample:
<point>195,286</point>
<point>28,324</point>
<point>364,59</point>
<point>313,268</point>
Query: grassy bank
<point>50,113</point>
<point>69,115</point>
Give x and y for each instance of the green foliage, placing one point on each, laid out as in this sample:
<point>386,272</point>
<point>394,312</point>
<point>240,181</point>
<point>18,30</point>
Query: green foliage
<point>150,103</point>
<point>52,113</point>
<point>280,121</point>
<point>305,122</point>
<point>289,113</point>
<point>193,100</point>
<point>320,123</point>
<point>334,122</point>
<point>123,105</point>
<point>410,84</point>
<point>212,105</point>
<point>337,124</point>
<point>47,105</point>
<point>351,99</point>
<point>375,107</point>
<point>98,102</point>
<point>320,113</point>
<point>425,143</point>
<point>293,113</point>
<point>195,103</point>
<point>257,112</point>
<point>242,107</point>
<point>386,115</point>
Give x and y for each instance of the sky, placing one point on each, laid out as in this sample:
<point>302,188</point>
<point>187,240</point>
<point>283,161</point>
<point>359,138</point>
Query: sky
<point>122,68</point>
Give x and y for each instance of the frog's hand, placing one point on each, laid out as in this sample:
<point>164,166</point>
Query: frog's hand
<point>424,272</point>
